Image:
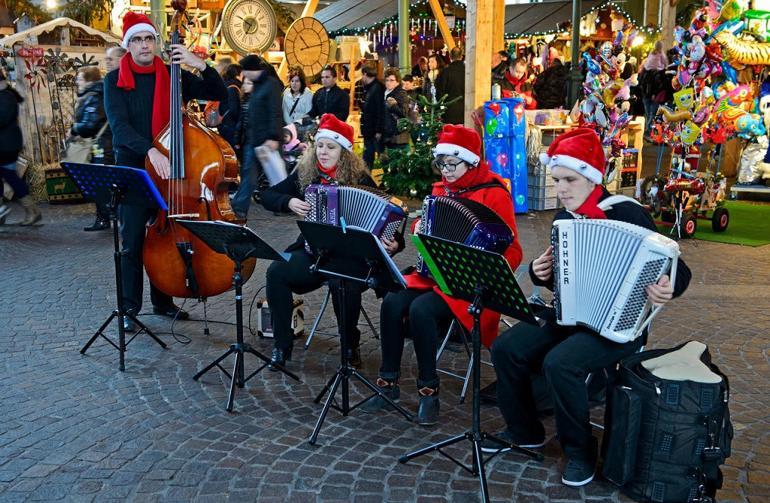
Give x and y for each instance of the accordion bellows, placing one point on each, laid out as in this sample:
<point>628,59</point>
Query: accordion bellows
<point>601,271</point>
<point>364,207</point>
<point>463,221</point>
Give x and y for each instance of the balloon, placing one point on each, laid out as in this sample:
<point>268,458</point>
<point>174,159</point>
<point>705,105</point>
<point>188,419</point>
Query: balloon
<point>502,159</point>
<point>495,107</point>
<point>729,72</point>
<point>491,126</point>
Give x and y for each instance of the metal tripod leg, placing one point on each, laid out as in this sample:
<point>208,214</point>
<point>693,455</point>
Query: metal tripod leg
<point>337,379</point>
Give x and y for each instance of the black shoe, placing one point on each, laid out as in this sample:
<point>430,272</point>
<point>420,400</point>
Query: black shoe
<point>354,357</point>
<point>427,411</point>
<point>377,403</point>
<point>279,357</point>
<point>128,324</point>
<point>489,445</point>
<point>577,473</point>
<point>171,311</point>
<point>99,225</point>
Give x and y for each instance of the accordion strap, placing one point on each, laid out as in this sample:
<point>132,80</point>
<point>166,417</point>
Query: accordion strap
<point>606,204</point>
<point>480,186</point>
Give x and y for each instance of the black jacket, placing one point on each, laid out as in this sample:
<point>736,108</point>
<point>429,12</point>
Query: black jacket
<point>393,113</point>
<point>551,86</point>
<point>230,110</point>
<point>277,198</point>
<point>373,109</point>
<point>130,112</point>
<point>89,119</point>
<point>11,141</point>
<point>631,213</point>
<point>451,81</point>
<point>332,101</point>
<point>265,111</point>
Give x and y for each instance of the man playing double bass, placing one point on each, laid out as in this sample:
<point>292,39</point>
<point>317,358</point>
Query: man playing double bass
<point>137,101</point>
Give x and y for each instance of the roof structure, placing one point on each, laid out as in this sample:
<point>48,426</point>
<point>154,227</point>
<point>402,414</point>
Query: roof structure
<point>49,26</point>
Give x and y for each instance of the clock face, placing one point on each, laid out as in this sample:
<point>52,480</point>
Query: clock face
<point>249,26</point>
<point>307,45</point>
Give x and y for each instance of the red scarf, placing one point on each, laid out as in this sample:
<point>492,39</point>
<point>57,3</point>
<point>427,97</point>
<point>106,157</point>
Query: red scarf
<point>471,178</point>
<point>161,101</point>
<point>328,175</point>
<point>590,208</point>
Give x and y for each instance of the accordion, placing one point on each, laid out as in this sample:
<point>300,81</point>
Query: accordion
<point>601,270</point>
<point>364,207</point>
<point>463,221</point>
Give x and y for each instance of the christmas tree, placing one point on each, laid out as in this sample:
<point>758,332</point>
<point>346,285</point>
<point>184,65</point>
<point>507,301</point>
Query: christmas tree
<point>409,172</point>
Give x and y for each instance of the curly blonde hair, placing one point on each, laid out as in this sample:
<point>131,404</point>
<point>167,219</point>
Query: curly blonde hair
<point>350,168</point>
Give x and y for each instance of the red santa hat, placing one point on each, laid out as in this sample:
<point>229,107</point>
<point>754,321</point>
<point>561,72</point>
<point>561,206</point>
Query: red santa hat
<point>580,150</point>
<point>460,142</point>
<point>334,129</point>
<point>134,23</point>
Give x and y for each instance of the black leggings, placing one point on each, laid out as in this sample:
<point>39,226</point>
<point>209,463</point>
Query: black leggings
<point>423,315</point>
<point>285,278</point>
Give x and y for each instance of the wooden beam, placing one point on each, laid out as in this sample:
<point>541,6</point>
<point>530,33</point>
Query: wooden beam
<point>309,10</point>
<point>478,50</point>
<point>498,38</point>
<point>446,33</point>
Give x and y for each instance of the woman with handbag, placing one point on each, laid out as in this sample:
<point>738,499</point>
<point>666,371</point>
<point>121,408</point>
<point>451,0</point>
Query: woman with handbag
<point>297,102</point>
<point>9,154</point>
<point>88,131</point>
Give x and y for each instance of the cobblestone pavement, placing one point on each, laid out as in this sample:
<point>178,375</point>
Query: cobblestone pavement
<point>74,428</point>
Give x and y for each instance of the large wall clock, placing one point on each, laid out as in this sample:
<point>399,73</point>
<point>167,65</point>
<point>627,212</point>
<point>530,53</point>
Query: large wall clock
<point>307,45</point>
<point>249,26</point>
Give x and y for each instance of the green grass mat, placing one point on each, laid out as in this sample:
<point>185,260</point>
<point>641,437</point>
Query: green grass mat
<point>749,225</point>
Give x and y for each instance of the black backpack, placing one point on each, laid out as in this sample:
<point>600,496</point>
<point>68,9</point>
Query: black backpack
<point>665,440</point>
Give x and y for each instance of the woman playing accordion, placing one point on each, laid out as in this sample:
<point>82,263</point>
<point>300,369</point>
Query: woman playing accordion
<point>422,311</point>
<point>330,161</point>
<point>567,354</point>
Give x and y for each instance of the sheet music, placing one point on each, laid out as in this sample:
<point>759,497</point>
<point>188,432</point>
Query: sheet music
<point>392,267</point>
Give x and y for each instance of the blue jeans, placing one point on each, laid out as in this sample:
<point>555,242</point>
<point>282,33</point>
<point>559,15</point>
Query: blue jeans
<point>8,173</point>
<point>650,109</point>
<point>250,170</point>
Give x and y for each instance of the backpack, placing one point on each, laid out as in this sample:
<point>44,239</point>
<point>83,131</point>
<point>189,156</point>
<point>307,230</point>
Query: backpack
<point>211,113</point>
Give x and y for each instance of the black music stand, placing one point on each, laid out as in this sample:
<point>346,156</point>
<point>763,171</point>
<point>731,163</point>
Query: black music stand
<point>484,279</point>
<point>113,186</point>
<point>350,255</point>
<point>238,243</point>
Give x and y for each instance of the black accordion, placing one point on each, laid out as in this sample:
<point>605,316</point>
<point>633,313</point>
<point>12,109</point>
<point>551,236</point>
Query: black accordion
<point>463,221</point>
<point>367,208</point>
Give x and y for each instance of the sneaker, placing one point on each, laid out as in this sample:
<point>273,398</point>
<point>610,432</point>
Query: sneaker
<point>377,403</point>
<point>577,473</point>
<point>488,445</point>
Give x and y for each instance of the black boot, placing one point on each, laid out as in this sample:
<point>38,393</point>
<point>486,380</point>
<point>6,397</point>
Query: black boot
<point>375,404</point>
<point>279,357</point>
<point>99,224</point>
<point>427,411</point>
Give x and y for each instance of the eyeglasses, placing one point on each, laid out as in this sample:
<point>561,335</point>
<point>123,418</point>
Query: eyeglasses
<point>447,166</point>
<point>147,39</point>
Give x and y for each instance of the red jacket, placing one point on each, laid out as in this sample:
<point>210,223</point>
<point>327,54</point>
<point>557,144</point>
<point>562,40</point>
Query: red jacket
<point>499,200</point>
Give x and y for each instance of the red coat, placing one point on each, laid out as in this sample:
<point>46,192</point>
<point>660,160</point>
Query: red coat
<point>499,200</point>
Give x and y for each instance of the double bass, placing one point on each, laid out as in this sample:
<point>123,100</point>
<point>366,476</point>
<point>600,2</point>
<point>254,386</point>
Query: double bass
<point>203,165</point>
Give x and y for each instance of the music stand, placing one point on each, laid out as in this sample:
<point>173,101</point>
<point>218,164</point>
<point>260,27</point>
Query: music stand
<point>238,243</point>
<point>113,186</point>
<point>484,279</point>
<point>350,255</point>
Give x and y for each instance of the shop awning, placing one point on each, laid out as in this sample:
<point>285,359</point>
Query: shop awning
<point>531,18</point>
<point>20,37</point>
<point>355,14</point>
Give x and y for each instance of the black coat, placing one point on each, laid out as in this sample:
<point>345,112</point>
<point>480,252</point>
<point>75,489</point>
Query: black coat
<point>277,198</point>
<point>331,101</point>
<point>10,132</point>
<point>631,213</point>
<point>373,109</point>
<point>551,86</point>
<point>130,112</point>
<point>393,113</point>
<point>230,110</point>
<point>89,119</point>
<point>265,111</point>
<point>451,81</point>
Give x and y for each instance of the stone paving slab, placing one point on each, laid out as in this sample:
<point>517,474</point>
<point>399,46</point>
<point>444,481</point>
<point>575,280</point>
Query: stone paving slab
<point>73,428</point>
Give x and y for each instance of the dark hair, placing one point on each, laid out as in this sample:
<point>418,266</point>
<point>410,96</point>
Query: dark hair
<point>408,78</point>
<point>296,71</point>
<point>90,73</point>
<point>504,54</point>
<point>393,72</point>
<point>518,61</point>
<point>330,69</point>
<point>456,53</point>
<point>232,72</point>
<point>439,61</point>
<point>369,71</point>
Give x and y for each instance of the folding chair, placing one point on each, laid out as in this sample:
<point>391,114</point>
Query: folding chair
<point>320,315</point>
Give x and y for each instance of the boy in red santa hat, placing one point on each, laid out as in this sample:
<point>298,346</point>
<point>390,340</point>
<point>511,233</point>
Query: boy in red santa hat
<point>424,312</point>
<point>566,354</point>
<point>138,105</point>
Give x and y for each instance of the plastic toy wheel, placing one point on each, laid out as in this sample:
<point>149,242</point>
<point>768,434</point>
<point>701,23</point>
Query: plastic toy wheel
<point>720,220</point>
<point>688,226</point>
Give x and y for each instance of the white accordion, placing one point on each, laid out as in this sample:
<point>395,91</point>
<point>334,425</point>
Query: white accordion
<point>601,270</point>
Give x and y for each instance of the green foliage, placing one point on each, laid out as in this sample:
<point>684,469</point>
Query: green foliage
<point>409,172</point>
<point>87,11</point>
<point>19,7</point>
